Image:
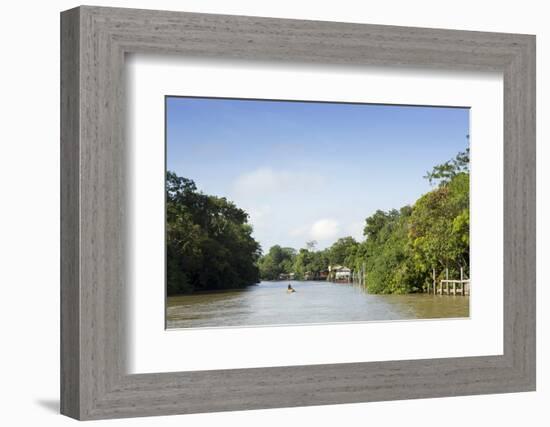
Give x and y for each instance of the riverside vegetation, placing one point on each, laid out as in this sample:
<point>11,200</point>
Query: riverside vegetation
<point>210,244</point>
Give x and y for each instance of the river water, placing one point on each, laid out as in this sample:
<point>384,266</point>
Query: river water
<point>313,302</point>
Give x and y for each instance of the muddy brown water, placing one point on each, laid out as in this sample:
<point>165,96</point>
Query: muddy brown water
<point>268,303</point>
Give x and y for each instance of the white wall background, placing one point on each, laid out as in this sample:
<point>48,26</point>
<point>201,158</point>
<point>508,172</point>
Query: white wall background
<point>29,215</point>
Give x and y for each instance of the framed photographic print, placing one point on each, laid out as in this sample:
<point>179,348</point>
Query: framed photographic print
<point>261,213</point>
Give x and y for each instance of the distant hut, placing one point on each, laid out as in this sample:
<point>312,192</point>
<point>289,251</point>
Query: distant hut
<point>340,273</point>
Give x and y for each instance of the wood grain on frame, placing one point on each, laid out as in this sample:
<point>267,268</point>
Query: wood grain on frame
<point>94,381</point>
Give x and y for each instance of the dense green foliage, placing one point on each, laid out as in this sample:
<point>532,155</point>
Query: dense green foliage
<point>276,262</point>
<point>401,247</point>
<point>209,244</point>
<point>389,267</point>
<point>307,262</point>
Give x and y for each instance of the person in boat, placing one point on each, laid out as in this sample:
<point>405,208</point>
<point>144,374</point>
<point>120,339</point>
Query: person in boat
<point>290,289</point>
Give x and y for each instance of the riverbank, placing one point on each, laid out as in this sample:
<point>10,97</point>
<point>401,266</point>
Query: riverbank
<point>213,291</point>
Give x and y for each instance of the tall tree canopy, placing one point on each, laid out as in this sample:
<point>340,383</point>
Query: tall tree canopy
<point>402,247</point>
<point>444,173</point>
<point>342,251</point>
<point>209,242</point>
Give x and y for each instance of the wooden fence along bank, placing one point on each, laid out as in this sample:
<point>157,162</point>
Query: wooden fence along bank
<point>442,287</point>
<point>449,286</point>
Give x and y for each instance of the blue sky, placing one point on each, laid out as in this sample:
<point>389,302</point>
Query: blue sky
<point>310,171</point>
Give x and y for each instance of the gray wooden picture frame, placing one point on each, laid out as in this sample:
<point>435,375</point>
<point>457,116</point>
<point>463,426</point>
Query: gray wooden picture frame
<point>94,382</point>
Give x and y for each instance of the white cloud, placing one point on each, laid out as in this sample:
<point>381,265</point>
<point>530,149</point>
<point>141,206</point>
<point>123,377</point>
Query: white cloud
<point>322,229</point>
<point>268,181</point>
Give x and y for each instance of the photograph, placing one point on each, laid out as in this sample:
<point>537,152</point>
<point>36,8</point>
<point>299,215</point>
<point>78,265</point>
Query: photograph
<point>299,212</point>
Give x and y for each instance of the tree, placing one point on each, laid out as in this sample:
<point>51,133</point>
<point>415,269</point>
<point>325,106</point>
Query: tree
<point>440,227</point>
<point>386,252</point>
<point>342,251</point>
<point>440,224</point>
<point>276,262</point>
<point>209,242</point>
<point>302,263</point>
<point>443,174</point>
<point>311,245</point>
<point>402,247</point>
